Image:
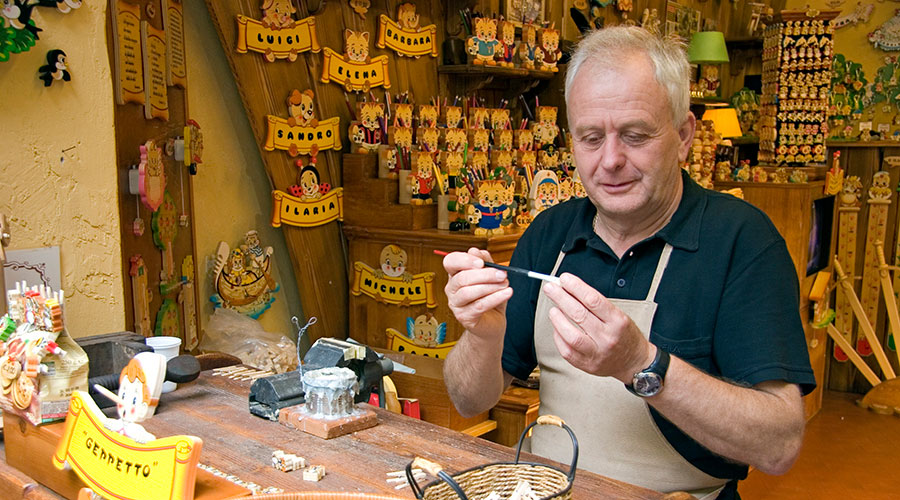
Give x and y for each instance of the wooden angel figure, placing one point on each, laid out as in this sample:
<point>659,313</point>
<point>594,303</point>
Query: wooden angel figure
<point>422,180</point>
<point>549,43</point>
<point>529,51</point>
<point>140,385</point>
<point>426,331</point>
<point>483,44</point>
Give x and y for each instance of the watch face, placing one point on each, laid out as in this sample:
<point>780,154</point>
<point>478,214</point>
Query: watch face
<point>647,384</point>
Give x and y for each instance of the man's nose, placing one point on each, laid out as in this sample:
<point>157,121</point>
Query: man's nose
<point>612,154</point>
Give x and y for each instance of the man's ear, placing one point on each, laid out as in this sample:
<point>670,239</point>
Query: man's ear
<point>686,135</point>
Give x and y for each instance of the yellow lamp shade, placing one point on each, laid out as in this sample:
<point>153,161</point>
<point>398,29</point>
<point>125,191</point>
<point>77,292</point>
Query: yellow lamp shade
<point>725,121</point>
<point>708,47</point>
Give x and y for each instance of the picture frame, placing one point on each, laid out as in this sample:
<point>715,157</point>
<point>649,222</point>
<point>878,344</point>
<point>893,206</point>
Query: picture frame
<point>681,20</point>
<point>519,11</point>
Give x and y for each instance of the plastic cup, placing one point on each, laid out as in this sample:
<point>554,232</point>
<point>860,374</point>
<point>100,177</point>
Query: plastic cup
<point>168,347</point>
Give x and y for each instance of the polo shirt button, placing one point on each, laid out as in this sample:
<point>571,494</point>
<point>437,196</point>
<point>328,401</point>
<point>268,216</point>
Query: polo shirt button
<point>621,282</point>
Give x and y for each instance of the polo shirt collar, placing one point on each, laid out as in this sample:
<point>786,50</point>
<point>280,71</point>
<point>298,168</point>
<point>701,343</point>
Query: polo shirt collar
<point>682,231</point>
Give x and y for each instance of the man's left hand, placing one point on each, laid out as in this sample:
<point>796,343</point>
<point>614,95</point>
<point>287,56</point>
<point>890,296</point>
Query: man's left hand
<point>594,335</point>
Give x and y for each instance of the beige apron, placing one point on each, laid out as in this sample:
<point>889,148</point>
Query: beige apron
<point>616,433</point>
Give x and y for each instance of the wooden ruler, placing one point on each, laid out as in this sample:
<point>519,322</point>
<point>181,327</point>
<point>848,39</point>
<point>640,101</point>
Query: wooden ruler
<point>879,202</point>
<point>848,229</point>
<point>865,325</point>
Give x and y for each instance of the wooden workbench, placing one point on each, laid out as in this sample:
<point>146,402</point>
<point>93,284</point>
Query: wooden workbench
<point>215,409</point>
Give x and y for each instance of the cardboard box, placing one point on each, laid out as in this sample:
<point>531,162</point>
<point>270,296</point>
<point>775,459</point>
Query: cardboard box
<point>427,385</point>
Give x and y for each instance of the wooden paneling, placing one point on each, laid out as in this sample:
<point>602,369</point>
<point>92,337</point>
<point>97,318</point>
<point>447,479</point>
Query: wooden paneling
<point>131,131</point>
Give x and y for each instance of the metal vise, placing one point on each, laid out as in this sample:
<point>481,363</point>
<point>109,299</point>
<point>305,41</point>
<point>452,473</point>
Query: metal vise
<point>270,394</point>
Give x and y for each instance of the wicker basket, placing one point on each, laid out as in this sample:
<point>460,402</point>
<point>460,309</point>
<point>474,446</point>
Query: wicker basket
<point>547,481</point>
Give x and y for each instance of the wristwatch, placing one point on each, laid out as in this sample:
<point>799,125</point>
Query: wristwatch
<point>649,382</point>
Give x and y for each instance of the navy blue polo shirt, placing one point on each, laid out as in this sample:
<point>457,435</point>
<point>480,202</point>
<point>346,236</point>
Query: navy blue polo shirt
<point>728,302</point>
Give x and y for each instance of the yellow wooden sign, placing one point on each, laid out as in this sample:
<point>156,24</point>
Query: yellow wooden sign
<point>153,47</point>
<point>129,68</point>
<point>281,135</point>
<point>119,468</point>
<point>354,75</point>
<point>401,343</point>
<point>294,211</point>
<point>393,290</point>
<point>283,43</point>
<point>412,43</point>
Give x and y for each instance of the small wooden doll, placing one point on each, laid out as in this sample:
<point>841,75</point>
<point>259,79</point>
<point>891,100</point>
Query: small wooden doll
<point>489,207</point>
<point>544,192</point>
<point>507,47</point>
<point>529,51</point>
<point>483,44</point>
<point>549,42</point>
<point>422,180</point>
<point>367,133</point>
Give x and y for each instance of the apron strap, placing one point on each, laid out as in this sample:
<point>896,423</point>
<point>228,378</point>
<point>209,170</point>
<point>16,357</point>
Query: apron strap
<point>660,269</point>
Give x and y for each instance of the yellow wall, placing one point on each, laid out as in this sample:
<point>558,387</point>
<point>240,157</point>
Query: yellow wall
<point>69,203</point>
<point>72,203</point>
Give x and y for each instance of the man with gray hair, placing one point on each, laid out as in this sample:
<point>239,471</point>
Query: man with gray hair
<point>672,344</point>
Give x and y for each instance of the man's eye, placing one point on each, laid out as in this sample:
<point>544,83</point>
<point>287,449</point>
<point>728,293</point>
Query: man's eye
<point>634,138</point>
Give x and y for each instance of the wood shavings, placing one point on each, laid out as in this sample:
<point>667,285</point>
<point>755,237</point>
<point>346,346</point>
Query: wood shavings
<point>399,477</point>
<point>238,372</point>
<point>314,473</point>
<point>523,491</point>
<point>287,462</point>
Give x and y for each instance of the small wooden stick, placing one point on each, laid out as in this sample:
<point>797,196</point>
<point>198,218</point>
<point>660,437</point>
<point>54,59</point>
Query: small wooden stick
<point>851,353</point>
<point>890,300</point>
<point>864,323</point>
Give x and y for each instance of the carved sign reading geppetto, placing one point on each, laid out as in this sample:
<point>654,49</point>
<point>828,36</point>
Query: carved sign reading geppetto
<point>404,36</point>
<point>294,211</point>
<point>277,35</point>
<point>129,79</point>
<point>153,45</point>
<point>119,466</point>
<point>354,70</point>
<point>173,20</point>
<point>300,131</point>
<point>392,283</point>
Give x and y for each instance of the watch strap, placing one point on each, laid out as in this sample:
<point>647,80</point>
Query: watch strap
<point>659,366</point>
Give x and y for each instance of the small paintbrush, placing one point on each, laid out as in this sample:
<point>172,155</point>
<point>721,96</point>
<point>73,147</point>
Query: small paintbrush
<point>517,270</point>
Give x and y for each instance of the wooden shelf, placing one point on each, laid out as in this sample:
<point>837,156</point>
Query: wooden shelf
<point>832,143</point>
<point>494,71</point>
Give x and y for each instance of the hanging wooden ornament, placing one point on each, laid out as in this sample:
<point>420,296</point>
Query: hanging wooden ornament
<point>165,228</point>
<point>277,35</point>
<point>55,69</point>
<point>153,50</point>
<point>404,36</point>
<point>308,203</point>
<point>391,283</point>
<point>140,296</point>
<point>151,175</point>
<point>361,7</point>
<point>879,202</point>
<point>129,68</point>
<point>243,279</point>
<point>167,323</point>
<point>193,146</point>
<point>355,70</point>
<point>424,337</point>
<point>173,21</point>
<point>300,131</point>
<point>848,223</point>
<point>483,43</point>
<point>188,307</point>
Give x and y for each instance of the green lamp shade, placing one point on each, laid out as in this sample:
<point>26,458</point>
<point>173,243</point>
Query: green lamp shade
<point>708,47</point>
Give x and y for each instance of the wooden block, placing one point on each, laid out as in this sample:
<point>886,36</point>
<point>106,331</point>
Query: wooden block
<point>293,416</point>
<point>373,202</point>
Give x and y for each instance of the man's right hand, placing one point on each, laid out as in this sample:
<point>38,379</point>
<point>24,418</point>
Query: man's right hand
<point>476,294</point>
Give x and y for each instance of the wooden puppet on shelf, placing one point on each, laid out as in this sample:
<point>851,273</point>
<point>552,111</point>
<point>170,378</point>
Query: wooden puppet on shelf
<point>549,43</point>
<point>489,208</point>
<point>507,48</point>
<point>529,52</point>
<point>422,181</point>
<point>368,132</point>
<point>483,44</point>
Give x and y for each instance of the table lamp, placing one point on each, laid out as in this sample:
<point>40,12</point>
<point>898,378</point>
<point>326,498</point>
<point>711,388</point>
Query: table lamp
<point>708,47</point>
<point>725,121</point>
